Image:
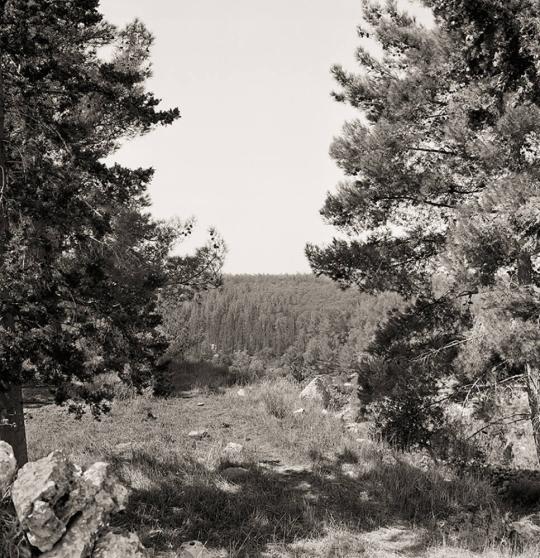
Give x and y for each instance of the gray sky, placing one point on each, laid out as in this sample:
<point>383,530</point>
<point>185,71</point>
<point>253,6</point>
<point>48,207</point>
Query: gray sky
<point>250,153</point>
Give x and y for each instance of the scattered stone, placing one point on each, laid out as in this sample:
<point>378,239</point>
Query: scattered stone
<point>225,425</point>
<point>241,393</point>
<point>201,404</point>
<point>234,455</point>
<point>300,411</point>
<point>316,390</point>
<point>193,549</point>
<point>8,467</point>
<point>350,470</point>
<point>234,474</point>
<point>150,415</point>
<point>119,546</point>
<point>199,434</point>
<point>324,412</point>
<point>526,530</point>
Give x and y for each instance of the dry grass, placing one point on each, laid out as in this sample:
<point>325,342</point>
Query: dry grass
<point>344,497</point>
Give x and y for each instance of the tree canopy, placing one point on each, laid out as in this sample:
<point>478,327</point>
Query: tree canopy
<point>82,262</point>
<point>442,195</point>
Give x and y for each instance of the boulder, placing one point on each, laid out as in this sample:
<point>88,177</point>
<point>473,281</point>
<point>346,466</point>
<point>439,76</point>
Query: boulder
<point>234,455</point>
<point>317,391</point>
<point>525,531</point>
<point>104,496</point>
<point>63,510</point>
<point>46,495</point>
<point>119,546</point>
<point>8,467</point>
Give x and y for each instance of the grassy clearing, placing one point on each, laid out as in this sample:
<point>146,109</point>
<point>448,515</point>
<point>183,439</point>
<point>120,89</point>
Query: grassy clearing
<point>331,494</point>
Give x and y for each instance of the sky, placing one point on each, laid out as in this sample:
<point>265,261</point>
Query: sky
<point>250,154</point>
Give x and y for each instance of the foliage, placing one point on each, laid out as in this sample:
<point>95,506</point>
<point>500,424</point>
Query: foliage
<point>254,322</point>
<point>81,260</point>
<point>441,198</point>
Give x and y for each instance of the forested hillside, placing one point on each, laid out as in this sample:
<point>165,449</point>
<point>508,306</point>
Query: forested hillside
<point>300,320</point>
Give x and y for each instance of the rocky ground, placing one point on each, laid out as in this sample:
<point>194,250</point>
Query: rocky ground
<point>257,471</point>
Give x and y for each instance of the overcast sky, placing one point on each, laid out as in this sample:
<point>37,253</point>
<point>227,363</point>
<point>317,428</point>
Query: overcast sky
<point>250,153</point>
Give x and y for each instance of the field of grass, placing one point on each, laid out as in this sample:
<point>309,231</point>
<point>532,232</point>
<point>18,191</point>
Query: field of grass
<point>313,487</point>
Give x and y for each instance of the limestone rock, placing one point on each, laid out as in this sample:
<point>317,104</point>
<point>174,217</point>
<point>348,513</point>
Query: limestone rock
<point>199,434</point>
<point>241,393</point>
<point>234,474</point>
<point>234,455</point>
<point>526,531</point>
<point>46,495</point>
<point>193,549</point>
<point>300,411</point>
<point>119,546</point>
<point>8,467</point>
<point>317,391</point>
<point>104,495</point>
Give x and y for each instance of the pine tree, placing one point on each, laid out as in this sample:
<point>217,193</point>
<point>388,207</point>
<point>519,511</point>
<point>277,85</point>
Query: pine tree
<point>442,195</point>
<point>81,260</point>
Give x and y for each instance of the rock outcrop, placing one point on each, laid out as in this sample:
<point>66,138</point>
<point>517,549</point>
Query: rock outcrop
<point>317,391</point>
<point>64,511</point>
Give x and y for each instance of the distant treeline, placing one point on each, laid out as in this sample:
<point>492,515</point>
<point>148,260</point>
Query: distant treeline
<point>297,321</point>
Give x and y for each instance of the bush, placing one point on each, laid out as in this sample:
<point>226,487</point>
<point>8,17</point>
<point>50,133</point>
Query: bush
<point>12,541</point>
<point>277,398</point>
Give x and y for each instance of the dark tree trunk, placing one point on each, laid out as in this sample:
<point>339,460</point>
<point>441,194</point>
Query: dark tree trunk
<point>12,428</point>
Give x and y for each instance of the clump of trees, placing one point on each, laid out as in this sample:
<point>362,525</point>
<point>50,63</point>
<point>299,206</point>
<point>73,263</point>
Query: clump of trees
<point>82,263</point>
<point>297,322</point>
<point>440,202</point>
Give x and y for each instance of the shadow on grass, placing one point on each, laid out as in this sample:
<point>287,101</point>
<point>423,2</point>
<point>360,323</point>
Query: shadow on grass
<point>185,501</point>
<point>187,376</point>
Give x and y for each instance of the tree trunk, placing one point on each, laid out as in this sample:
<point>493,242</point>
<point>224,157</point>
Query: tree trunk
<point>12,428</point>
<point>533,393</point>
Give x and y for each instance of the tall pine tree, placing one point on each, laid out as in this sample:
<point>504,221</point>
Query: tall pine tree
<point>442,194</point>
<point>81,260</point>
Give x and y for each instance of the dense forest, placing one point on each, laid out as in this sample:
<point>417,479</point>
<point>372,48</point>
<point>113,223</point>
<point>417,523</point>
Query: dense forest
<point>298,321</point>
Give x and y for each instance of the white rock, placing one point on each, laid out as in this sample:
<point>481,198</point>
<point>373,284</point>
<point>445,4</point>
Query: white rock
<point>193,549</point>
<point>316,390</point>
<point>201,404</point>
<point>46,495</point>
<point>199,434</point>
<point>119,546</point>
<point>300,411</point>
<point>234,455</point>
<point>8,467</point>
<point>241,393</point>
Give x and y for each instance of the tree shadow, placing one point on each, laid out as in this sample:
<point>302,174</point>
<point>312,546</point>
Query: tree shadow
<point>183,500</point>
<point>187,376</point>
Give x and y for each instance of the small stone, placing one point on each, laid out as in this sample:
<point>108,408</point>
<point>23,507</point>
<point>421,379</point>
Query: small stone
<point>201,404</point>
<point>300,411</point>
<point>8,467</point>
<point>241,393</point>
<point>199,434</point>
<point>349,470</point>
<point>193,549</point>
<point>233,455</point>
<point>526,531</point>
<point>234,474</point>
<point>119,546</point>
